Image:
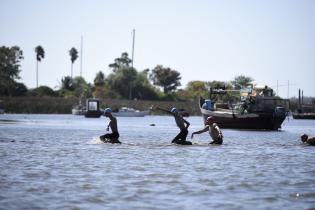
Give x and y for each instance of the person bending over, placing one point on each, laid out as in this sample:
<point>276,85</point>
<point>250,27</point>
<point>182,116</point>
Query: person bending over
<point>111,137</point>
<point>214,131</point>
<point>182,124</point>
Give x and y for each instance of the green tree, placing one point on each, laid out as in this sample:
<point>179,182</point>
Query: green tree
<point>43,91</point>
<point>143,89</point>
<point>67,83</point>
<point>80,87</point>
<point>193,89</point>
<point>241,81</point>
<point>18,89</point>
<point>122,62</point>
<point>165,77</point>
<point>10,58</point>
<point>40,54</point>
<point>121,80</point>
<point>73,57</point>
<point>99,79</point>
<point>123,76</point>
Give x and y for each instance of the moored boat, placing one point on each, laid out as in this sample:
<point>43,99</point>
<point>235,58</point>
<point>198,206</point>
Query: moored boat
<point>130,112</point>
<point>256,109</point>
<point>78,109</point>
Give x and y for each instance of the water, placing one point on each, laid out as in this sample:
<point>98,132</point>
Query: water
<point>55,162</point>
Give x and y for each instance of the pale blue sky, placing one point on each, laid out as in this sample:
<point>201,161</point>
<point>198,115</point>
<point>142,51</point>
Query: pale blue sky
<point>270,40</point>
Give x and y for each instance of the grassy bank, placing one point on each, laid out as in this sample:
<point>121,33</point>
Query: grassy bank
<point>59,105</point>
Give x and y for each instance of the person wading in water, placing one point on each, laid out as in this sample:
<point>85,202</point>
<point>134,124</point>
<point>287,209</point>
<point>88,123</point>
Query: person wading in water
<point>182,124</point>
<point>111,137</point>
<point>214,131</point>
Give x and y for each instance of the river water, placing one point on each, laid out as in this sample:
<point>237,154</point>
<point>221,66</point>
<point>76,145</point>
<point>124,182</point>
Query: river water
<point>56,162</point>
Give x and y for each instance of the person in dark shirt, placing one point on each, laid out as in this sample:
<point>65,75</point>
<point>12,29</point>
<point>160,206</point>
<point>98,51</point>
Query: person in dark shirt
<point>111,137</point>
<point>182,124</point>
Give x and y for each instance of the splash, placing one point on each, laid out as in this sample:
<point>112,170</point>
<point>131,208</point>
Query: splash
<point>95,140</point>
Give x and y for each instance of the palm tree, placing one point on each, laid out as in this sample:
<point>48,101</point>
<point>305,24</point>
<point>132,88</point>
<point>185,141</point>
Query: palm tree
<point>40,54</point>
<point>74,55</point>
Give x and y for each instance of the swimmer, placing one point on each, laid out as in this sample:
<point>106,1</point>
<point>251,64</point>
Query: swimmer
<point>112,137</point>
<point>214,131</point>
<point>182,124</point>
<point>308,140</point>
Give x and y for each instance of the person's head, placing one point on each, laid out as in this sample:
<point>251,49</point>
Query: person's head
<point>304,138</point>
<point>209,120</point>
<point>174,110</point>
<point>107,112</point>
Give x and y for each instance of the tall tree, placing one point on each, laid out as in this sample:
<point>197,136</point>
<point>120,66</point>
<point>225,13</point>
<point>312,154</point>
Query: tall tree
<point>10,58</point>
<point>67,83</point>
<point>241,81</point>
<point>122,62</point>
<point>99,79</point>
<point>165,77</point>
<point>40,54</point>
<point>120,81</point>
<point>73,56</point>
<point>122,66</point>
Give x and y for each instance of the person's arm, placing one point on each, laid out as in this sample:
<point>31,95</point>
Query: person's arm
<point>108,126</point>
<point>164,110</point>
<point>219,131</point>
<point>187,123</point>
<point>200,131</point>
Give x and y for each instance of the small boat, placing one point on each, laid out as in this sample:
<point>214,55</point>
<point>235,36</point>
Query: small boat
<point>130,112</point>
<point>256,108</point>
<point>78,109</point>
<point>93,108</point>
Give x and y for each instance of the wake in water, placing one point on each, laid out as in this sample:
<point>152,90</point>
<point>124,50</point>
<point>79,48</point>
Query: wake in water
<point>96,140</point>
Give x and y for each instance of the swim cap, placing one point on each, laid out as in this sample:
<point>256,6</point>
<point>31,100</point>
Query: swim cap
<point>210,118</point>
<point>107,110</point>
<point>173,110</point>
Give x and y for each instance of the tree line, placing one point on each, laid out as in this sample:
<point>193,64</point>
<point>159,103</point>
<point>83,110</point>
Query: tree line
<point>124,81</point>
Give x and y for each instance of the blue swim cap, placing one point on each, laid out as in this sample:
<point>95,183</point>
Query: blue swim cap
<point>173,110</point>
<point>107,110</point>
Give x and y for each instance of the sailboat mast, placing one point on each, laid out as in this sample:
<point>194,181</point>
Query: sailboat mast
<point>81,56</point>
<point>132,57</point>
<point>133,46</point>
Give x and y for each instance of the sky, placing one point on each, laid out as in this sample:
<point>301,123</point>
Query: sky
<point>271,41</point>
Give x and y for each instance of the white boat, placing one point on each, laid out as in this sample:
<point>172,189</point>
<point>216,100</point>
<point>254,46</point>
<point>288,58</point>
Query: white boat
<point>78,110</point>
<point>130,112</point>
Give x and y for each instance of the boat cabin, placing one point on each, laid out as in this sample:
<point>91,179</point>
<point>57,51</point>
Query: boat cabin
<point>93,108</point>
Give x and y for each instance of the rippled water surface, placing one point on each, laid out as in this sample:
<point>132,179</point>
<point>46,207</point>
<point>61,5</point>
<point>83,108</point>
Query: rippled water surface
<point>56,162</point>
